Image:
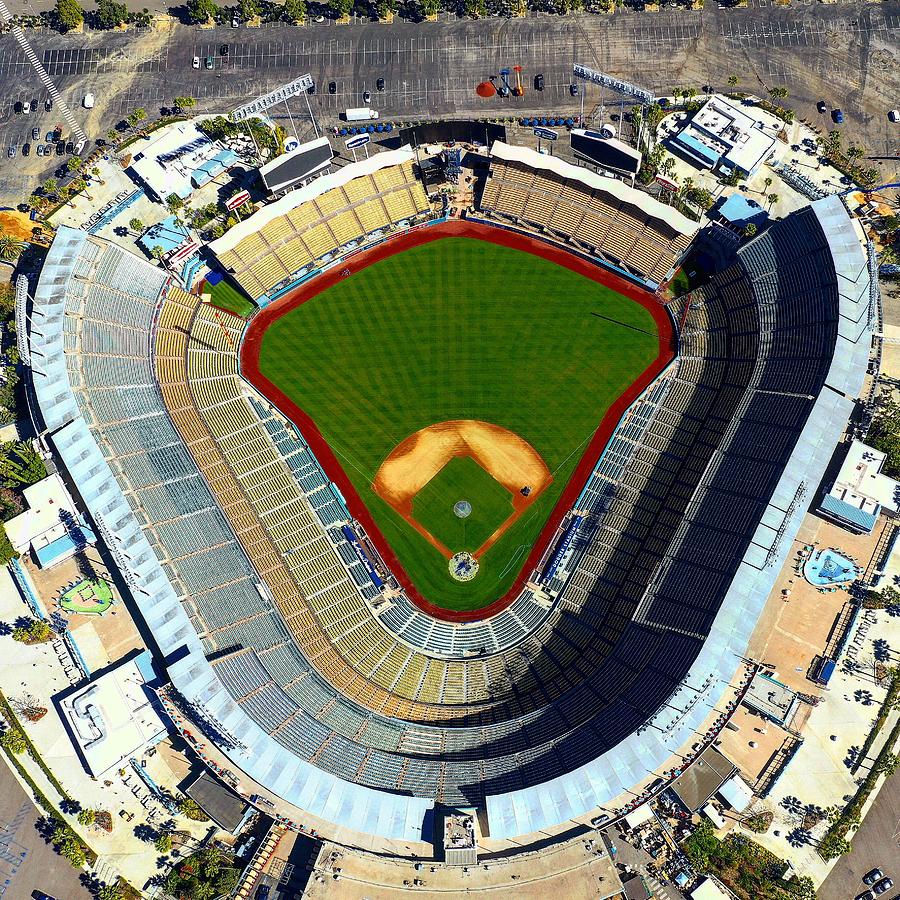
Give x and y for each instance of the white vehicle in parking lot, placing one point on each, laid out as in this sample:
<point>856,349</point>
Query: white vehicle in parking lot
<point>195,62</point>
<point>88,101</point>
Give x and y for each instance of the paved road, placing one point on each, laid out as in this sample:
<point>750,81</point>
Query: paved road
<point>877,843</point>
<point>847,53</point>
<point>26,862</point>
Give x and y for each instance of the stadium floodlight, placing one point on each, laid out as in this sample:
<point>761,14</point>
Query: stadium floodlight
<point>279,95</point>
<point>623,87</point>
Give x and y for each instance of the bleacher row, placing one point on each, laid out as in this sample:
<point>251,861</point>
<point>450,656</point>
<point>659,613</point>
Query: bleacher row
<point>671,512</point>
<point>315,229</point>
<point>592,218</point>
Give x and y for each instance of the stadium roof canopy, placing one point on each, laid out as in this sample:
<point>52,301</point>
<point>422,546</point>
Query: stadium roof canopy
<point>293,199</point>
<point>618,189</point>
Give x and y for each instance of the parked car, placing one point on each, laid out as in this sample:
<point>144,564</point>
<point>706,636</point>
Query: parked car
<point>380,84</point>
<point>35,134</point>
<point>26,149</point>
<point>26,107</point>
<point>11,151</point>
<point>88,101</point>
<point>311,89</point>
<point>262,892</point>
<point>539,82</point>
<point>40,150</point>
<point>60,148</point>
<point>210,62</point>
<point>48,104</point>
<point>573,89</point>
<point>235,21</point>
<point>838,116</point>
<point>367,96</point>
<point>822,106</point>
<point>195,62</point>
<point>881,886</point>
<point>70,147</point>
<point>332,87</point>
<point>894,115</point>
<point>33,104</point>
<point>17,106</point>
<point>865,895</point>
<point>40,895</point>
<point>223,50</point>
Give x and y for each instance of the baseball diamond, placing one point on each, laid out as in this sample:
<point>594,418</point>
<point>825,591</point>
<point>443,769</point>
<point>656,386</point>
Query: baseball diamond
<point>457,348</point>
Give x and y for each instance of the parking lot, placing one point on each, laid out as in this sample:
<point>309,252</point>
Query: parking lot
<point>846,53</point>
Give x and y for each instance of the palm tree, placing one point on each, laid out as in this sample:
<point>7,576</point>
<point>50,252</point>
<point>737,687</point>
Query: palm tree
<point>732,80</point>
<point>10,248</point>
<point>768,183</point>
<point>96,173</point>
<point>773,199</point>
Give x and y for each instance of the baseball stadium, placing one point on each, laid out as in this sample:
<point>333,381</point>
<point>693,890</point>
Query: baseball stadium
<point>470,513</point>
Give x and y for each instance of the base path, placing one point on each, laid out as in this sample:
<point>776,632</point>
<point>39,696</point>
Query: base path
<point>256,329</point>
<point>508,458</point>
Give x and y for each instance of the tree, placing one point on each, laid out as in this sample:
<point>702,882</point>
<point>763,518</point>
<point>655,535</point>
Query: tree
<point>95,173</point>
<point>212,861</point>
<point>732,80</point>
<point>773,199</point>
<point>112,135</point>
<point>110,892</point>
<point>69,14</point>
<point>35,632</point>
<point>174,203</point>
<point>182,103</point>
<point>889,224</point>
<point>10,247</point>
<point>7,551</point>
<point>137,116</point>
<point>249,9</point>
<point>110,14</point>
<point>157,252</point>
<point>86,817</point>
<point>20,465</point>
<point>749,230</point>
<point>340,8</point>
<point>190,809</point>
<point>49,186</point>
<point>163,843</point>
<point>73,163</point>
<point>778,92</point>
<point>701,845</point>
<point>136,225</point>
<point>13,741</point>
<point>767,182</point>
<point>294,11</point>
<point>201,11</point>
<point>385,8</point>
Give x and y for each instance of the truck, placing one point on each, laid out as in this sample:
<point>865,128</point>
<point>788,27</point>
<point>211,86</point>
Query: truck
<point>360,114</point>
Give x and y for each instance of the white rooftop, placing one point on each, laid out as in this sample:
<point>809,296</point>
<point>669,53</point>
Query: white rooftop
<point>861,483</point>
<point>742,139</point>
<point>49,507</point>
<point>637,818</point>
<point>736,793</point>
<point>708,890</point>
<point>112,719</point>
<point>167,162</point>
<point>618,189</point>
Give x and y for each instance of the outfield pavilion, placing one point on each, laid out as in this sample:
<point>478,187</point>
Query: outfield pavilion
<point>225,527</point>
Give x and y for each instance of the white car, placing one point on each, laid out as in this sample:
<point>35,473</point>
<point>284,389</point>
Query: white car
<point>88,101</point>
<point>195,62</point>
<point>26,107</point>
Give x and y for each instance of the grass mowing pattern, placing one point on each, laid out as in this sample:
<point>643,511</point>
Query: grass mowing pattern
<point>459,329</point>
<point>226,296</point>
<point>462,479</point>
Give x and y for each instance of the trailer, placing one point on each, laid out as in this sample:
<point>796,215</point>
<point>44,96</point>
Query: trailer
<point>360,114</point>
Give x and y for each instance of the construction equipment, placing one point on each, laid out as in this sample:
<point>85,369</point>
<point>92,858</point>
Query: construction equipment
<point>518,90</point>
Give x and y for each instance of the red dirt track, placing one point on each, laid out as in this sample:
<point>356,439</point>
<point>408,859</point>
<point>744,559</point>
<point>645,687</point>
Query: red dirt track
<point>252,343</point>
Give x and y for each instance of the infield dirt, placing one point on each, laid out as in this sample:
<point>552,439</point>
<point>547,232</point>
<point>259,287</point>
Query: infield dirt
<point>510,459</point>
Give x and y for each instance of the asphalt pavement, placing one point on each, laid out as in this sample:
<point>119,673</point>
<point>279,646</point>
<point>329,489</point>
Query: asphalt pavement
<point>845,53</point>
<point>876,844</point>
<point>27,863</point>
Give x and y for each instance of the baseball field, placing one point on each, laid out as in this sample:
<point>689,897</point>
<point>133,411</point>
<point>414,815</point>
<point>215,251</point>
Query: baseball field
<point>458,370</point>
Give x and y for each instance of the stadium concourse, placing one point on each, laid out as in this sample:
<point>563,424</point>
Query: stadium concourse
<point>349,703</point>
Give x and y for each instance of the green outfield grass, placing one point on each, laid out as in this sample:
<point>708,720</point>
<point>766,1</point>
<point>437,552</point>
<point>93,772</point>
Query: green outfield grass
<point>226,296</point>
<point>459,329</point>
<point>462,479</point>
